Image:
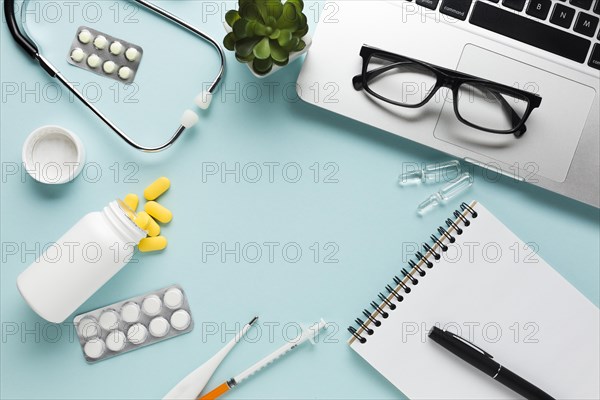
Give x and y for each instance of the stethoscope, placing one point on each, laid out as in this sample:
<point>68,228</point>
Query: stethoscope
<point>31,48</point>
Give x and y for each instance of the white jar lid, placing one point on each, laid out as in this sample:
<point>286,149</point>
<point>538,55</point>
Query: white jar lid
<point>53,155</point>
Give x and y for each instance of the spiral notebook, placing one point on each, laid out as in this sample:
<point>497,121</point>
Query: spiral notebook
<point>477,279</point>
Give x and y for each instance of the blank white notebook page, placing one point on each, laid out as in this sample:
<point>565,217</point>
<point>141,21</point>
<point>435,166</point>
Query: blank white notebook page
<point>491,289</point>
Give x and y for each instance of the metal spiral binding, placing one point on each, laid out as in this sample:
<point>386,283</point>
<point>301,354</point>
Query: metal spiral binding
<point>408,277</point>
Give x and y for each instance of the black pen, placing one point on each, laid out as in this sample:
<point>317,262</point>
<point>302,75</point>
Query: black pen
<point>483,361</point>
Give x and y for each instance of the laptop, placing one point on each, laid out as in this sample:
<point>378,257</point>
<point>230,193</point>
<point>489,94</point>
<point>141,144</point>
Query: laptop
<point>547,47</point>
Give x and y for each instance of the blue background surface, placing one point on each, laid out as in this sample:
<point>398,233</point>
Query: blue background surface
<point>360,220</point>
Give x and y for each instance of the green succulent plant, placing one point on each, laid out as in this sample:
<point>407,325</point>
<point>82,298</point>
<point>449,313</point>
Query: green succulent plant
<point>265,32</point>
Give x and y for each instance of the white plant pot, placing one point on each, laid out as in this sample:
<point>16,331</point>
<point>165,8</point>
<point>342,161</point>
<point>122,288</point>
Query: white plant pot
<point>293,56</point>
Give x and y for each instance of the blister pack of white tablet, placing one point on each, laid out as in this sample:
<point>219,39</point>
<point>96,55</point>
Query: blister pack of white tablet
<point>133,323</point>
<point>105,55</point>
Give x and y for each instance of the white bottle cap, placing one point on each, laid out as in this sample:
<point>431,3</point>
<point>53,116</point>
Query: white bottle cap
<point>53,155</point>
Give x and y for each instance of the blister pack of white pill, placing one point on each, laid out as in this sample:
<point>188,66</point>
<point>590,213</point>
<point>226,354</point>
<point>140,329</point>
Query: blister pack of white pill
<point>105,55</point>
<point>134,323</point>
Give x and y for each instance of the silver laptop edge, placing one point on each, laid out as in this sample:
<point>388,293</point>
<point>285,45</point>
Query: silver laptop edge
<point>562,152</point>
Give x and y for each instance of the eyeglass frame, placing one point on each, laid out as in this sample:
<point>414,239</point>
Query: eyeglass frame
<point>452,80</point>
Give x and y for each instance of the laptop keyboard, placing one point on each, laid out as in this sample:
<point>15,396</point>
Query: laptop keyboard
<point>567,28</point>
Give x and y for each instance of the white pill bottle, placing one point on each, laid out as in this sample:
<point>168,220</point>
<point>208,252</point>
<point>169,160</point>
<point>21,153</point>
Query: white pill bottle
<point>73,268</point>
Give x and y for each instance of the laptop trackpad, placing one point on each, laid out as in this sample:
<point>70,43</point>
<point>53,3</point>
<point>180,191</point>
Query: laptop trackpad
<point>553,129</point>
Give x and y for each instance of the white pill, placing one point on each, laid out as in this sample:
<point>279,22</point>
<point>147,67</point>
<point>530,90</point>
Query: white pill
<point>173,298</point>
<point>159,327</point>
<point>84,36</point>
<point>137,333</point>
<point>88,328</point>
<point>109,320</point>
<point>132,54</point>
<point>100,42</point>
<point>116,48</point>
<point>93,61</point>
<point>115,341</point>
<point>180,320</point>
<point>130,312</point>
<point>151,305</point>
<point>77,55</point>
<point>109,67</point>
<point>94,348</point>
<point>124,73</point>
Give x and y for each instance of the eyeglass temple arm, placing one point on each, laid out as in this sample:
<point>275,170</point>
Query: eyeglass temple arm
<point>357,82</point>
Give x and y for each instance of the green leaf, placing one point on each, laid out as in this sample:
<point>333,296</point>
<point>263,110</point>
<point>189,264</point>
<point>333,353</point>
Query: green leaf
<point>299,4</point>
<point>278,54</point>
<point>244,47</point>
<point>271,21</point>
<point>262,50</point>
<point>301,32</point>
<point>275,34</point>
<point>289,18</point>
<point>231,16</point>
<point>302,27</point>
<point>301,45</point>
<point>292,44</point>
<point>262,67</point>
<point>244,60</point>
<point>274,9</point>
<point>240,28</point>
<point>262,30</point>
<point>249,11</point>
<point>269,8</point>
<point>285,37</point>
<point>229,41</point>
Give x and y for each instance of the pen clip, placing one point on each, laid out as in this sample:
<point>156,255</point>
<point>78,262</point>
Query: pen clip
<point>472,345</point>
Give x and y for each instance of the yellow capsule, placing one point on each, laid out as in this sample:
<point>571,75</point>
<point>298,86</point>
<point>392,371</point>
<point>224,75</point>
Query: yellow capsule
<point>156,243</point>
<point>142,219</point>
<point>158,212</point>
<point>132,201</point>
<point>157,188</point>
<point>153,229</point>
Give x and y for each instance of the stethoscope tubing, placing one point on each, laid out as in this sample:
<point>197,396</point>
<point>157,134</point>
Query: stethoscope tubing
<point>32,50</point>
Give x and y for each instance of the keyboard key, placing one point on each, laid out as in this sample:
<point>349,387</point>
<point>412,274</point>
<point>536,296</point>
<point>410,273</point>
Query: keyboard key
<point>529,31</point>
<point>595,58</point>
<point>585,4</point>
<point>539,8</point>
<point>456,8</point>
<point>562,15</point>
<point>493,1</point>
<point>514,4</point>
<point>431,4</point>
<point>586,24</point>
<point>597,7</point>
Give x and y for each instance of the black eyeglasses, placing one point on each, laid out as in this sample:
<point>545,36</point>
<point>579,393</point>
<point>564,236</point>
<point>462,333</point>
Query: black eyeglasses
<point>479,103</point>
